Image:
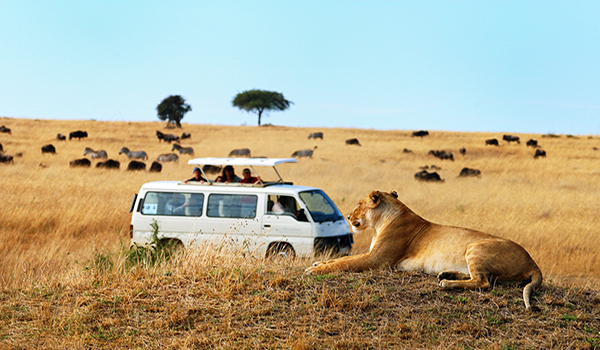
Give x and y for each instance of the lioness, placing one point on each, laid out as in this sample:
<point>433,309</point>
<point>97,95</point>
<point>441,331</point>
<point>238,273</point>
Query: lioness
<point>462,258</point>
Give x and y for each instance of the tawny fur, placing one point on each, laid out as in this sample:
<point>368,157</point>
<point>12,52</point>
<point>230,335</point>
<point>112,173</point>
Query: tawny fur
<point>462,258</point>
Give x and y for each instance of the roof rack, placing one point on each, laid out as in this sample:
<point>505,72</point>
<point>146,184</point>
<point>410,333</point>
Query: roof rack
<point>249,162</point>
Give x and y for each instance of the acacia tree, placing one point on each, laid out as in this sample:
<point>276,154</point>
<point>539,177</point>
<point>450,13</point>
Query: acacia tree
<point>173,109</point>
<point>258,101</point>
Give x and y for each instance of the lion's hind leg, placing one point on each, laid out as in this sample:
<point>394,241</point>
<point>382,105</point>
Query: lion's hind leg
<point>453,275</point>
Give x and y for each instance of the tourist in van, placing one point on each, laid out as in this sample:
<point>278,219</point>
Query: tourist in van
<point>248,178</point>
<point>228,175</point>
<point>176,205</point>
<point>197,177</point>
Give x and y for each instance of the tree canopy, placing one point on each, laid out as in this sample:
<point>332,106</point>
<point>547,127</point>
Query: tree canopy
<point>173,109</point>
<point>258,101</point>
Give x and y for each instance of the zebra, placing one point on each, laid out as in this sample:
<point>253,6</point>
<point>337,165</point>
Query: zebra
<point>95,154</point>
<point>134,155</point>
<point>183,150</point>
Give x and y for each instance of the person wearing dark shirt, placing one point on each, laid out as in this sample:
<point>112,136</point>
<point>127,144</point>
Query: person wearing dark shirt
<point>197,177</point>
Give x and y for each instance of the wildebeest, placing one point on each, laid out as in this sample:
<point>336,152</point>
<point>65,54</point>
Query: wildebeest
<point>406,150</point>
<point>352,142</point>
<point>135,165</point>
<point>134,155</point>
<point>166,137</point>
<point>420,133</point>
<point>1,149</point>
<point>425,176</point>
<point>82,162</point>
<point>109,164</point>
<point>48,149</point>
<point>95,154</point>
<point>304,153</point>
<point>185,135</point>
<point>491,142</point>
<point>61,137</point>
<point>4,129</point>
<point>78,135</point>
<point>539,153</point>
<point>462,151</point>
<point>167,157</point>
<point>156,167</point>
<point>240,152</point>
<point>465,172</point>
<point>533,143</point>
<point>183,150</point>
<point>211,169</point>
<point>316,135</point>
<point>5,158</point>
<point>510,138</point>
<point>442,154</point>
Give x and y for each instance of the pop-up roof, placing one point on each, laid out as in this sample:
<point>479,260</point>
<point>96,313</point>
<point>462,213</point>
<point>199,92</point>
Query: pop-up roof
<point>249,162</point>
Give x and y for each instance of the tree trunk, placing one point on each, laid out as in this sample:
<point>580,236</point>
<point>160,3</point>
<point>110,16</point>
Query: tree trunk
<point>259,115</point>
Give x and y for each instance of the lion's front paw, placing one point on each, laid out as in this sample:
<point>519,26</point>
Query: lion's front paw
<point>313,269</point>
<point>444,284</point>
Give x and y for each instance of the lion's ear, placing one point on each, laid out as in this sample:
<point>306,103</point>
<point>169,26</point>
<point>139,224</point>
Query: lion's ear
<point>375,197</point>
<point>394,194</point>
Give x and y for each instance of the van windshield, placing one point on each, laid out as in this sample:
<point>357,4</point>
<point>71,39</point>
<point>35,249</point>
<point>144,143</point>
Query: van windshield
<point>321,208</point>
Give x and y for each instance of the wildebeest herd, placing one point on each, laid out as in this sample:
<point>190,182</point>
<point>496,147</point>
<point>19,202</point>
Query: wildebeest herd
<point>136,158</point>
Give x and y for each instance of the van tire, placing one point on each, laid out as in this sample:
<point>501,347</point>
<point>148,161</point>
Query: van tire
<point>281,250</point>
<point>171,246</point>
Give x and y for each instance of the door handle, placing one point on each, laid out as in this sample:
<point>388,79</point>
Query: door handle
<point>266,225</point>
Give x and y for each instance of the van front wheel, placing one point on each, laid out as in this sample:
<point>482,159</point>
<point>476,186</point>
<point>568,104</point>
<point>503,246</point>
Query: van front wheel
<point>281,250</point>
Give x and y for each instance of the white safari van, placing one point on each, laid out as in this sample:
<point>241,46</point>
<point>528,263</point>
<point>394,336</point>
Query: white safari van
<point>264,218</point>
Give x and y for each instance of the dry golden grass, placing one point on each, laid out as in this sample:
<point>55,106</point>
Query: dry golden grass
<point>57,224</point>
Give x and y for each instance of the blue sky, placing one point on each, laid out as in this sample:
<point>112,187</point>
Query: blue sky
<point>503,66</point>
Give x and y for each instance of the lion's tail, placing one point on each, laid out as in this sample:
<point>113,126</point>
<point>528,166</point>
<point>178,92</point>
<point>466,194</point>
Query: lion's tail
<point>536,281</point>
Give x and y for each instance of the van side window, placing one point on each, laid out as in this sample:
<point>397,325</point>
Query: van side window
<point>285,205</point>
<point>232,206</point>
<point>173,204</point>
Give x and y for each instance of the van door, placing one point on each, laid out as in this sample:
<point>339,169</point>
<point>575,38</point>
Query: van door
<point>232,220</point>
<point>284,221</point>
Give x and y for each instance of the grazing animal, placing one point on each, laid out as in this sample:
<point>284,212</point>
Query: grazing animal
<point>109,164</point>
<point>5,158</point>
<point>316,135</point>
<point>211,169</point>
<point>352,142</point>
<point>406,150</point>
<point>423,175</point>
<point>82,162</point>
<point>533,143</point>
<point>134,165</point>
<point>168,157</point>
<point>134,155</point>
<point>240,152</point>
<point>186,135</point>
<point>1,149</point>
<point>48,149</point>
<point>156,167</point>
<point>78,135</point>
<point>4,129</point>
<point>466,172</point>
<point>95,154</point>
<point>539,153</point>
<point>442,155</point>
<point>61,137</point>
<point>510,138</point>
<point>183,150</point>
<point>460,257</point>
<point>462,151</point>
<point>166,137</point>
<point>491,142</point>
<point>420,133</point>
<point>304,153</point>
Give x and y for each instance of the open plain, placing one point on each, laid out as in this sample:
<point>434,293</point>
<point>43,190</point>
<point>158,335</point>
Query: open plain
<point>63,231</point>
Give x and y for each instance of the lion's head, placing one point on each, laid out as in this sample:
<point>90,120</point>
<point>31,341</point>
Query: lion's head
<point>371,209</point>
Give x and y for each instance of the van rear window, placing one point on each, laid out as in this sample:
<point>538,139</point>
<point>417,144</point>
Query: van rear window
<point>173,204</point>
<point>232,206</point>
